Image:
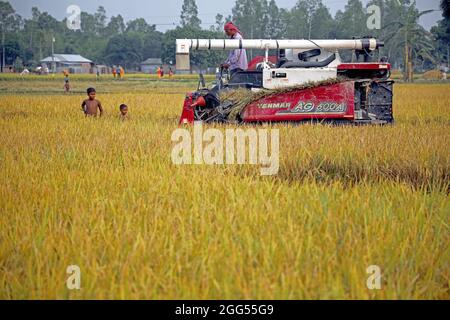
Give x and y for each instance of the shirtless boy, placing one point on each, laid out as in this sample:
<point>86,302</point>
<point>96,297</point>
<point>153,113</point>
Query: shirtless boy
<point>123,112</point>
<point>91,105</point>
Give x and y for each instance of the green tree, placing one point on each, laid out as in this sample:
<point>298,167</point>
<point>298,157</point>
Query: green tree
<point>140,26</point>
<point>88,23</point>
<point>9,21</point>
<point>405,32</point>
<point>29,35</point>
<point>297,20</point>
<point>252,18</point>
<point>151,39</point>
<point>45,28</point>
<point>220,22</point>
<point>100,19</point>
<point>441,33</point>
<point>125,50</point>
<point>115,26</point>
<point>352,22</point>
<point>274,26</point>
<point>390,11</point>
<point>152,45</point>
<point>12,50</point>
<point>322,25</point>
<point>189,15</point>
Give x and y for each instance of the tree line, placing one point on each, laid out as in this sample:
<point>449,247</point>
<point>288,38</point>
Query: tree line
<point>114,41</point>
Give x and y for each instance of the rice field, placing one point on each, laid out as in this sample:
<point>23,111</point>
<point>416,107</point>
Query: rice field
<point>104,195</point>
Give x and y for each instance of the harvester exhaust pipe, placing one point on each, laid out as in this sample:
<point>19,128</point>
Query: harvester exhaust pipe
<point>185,45</point>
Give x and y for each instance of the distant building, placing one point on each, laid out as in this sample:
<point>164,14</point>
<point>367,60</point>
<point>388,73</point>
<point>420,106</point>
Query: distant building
<point>150,65</point>
<point>72,62</point>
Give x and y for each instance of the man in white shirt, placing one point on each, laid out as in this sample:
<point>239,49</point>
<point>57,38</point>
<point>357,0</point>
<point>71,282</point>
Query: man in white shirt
<point>237,59</point>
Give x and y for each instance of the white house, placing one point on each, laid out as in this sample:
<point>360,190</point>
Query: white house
<point>74,63</point>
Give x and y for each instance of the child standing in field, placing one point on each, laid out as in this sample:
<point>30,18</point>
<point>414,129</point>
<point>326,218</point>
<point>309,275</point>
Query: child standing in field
<point>91,105</point>
<point>114,71</point>
<point>66,81</point>
<point>66,85</point>
<point>124,112</point>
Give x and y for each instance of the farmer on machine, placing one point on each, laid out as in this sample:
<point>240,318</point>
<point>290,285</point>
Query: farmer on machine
<point>237,59</point>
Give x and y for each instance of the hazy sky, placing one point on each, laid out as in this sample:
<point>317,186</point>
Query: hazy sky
<point>165,13</point>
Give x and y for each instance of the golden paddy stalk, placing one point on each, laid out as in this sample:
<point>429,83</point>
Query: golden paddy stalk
<point>104,195</point>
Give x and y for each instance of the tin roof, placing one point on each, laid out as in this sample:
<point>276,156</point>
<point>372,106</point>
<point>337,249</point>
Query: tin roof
<point>152,61</point>
<point>70,58</point>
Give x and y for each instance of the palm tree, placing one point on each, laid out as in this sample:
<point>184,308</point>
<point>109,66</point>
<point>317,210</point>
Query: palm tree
<point>406,32</point>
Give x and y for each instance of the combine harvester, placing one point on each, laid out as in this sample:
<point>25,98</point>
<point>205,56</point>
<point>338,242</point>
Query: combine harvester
<point>308,83</point>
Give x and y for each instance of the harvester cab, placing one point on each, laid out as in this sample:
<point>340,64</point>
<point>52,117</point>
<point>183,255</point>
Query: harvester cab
<point>308,82</point>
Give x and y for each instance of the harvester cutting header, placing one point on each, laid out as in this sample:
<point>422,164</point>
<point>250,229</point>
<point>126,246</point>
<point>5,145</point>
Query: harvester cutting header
<point>308,82</point>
